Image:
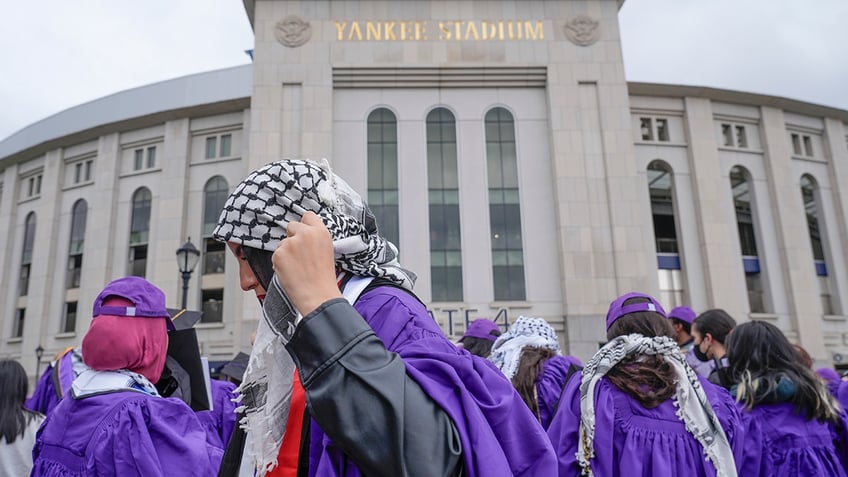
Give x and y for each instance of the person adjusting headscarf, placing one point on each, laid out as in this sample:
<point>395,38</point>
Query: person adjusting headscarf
<point>387,392</point>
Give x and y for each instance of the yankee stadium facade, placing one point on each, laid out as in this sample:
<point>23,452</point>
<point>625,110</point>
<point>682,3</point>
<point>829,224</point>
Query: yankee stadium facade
<point>499,145</point>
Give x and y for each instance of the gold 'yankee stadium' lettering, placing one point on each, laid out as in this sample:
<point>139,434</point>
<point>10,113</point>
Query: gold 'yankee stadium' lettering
<point>448,30</point>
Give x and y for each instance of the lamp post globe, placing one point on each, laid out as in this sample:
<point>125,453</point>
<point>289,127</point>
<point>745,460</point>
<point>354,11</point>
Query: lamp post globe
<point>39,352</point>
<point>187,258</point>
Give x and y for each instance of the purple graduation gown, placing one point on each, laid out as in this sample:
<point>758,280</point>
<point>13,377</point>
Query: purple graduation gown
<point>220,421</point>
<point>781,443</point>
<point>550,384</point>
<point>499,434</point>
<point>45,397</point>
<point>123,433</point>
<point>633,441</point>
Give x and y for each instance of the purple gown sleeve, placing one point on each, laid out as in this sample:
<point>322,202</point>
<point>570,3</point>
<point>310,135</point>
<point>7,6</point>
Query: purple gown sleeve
<point>730,416</point>
<point>47,395</point>
<point>840,438</point>
<point>44,398</point>
<point>551,382</point>
<point>220,421</point>
<point>153,437</point>
<point>751,460</point>
<point>564,429</point>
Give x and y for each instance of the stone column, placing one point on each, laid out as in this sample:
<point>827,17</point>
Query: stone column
<point>835,142</point>
<point>793,240</point>
<point>719,239</point>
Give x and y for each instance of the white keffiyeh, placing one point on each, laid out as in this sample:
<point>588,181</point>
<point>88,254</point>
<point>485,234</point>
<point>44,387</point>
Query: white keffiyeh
<point>525,332</point>
<point>693,408</point>
<point>256,215</point>
<point>90,382</point>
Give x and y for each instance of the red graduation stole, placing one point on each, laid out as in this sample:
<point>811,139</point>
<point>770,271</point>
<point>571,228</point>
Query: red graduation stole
<point>289,454</point>
<point>290,449</point>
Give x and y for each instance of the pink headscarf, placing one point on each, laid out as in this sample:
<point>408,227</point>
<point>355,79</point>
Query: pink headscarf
<point>125,342</point>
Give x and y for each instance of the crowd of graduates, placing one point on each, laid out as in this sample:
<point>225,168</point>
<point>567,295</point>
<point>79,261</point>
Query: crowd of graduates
<point>349,375</point>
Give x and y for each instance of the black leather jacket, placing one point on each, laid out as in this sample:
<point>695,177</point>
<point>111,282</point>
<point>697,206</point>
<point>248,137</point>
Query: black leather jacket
<point>360,395</point>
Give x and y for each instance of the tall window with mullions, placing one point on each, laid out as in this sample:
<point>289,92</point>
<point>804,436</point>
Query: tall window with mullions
<point>661,187</point>
<point>443,196</point>
<point>811,209</point>
<point>79,213</point>
<point>215,194</point>
<point>383,172</point>
<point>139,231</point>
<point>504,206</point>
<point>740,186</point>
<point>26,255</point>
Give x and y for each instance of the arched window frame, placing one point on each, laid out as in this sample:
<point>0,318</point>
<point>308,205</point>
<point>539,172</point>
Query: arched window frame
<point>742,195</point>
<point>79,216</point>
<point>382,157</point>
<point>141,205</point>
<point>215,193</point>
<point>811,201</point>
<point>444,212</point>
<point>660,178</point>
<point>504,205</point>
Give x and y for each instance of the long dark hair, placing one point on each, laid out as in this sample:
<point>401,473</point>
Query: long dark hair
<point>650,379</point>
<point>759,356</point>
<point>529,367</point>
<point>716,322</point>
<point>13,391</point>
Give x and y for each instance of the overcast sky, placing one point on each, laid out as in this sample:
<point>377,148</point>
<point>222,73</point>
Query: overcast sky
<point>55,54</point>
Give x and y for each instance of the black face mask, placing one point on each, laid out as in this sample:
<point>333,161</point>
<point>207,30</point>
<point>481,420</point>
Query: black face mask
<point>700,354</point>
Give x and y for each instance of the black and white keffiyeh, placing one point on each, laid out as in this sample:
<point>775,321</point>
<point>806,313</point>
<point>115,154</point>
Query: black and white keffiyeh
<point>526,331</point>
<point>693,408</point>
<point>257,212</point>
<point>90,382</point>
<point>256,215</point>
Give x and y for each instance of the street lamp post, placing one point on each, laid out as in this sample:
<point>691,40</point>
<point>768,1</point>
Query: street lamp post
<point>187,257</point>
<point>39,352</point>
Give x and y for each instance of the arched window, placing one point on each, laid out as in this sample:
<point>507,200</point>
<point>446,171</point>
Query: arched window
<point>139,231</point>
<point>26,256</point>
<point>26,267</point>
<point>215,194</point>
<point>808,196</point>
<point>742,201</point>
<point>79,213</point>
<point>660,187</point>
<point>504,207</point>
<point>383,172</point>
<point>443,192</point>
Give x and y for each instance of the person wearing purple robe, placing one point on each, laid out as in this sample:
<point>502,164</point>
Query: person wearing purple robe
<point>639,410</point>
<point>793,425</point>
<point>529,356</point>
<point>113,421</point>
<point>221,420</point>
<point>387,393</point>
<point>56,381</point>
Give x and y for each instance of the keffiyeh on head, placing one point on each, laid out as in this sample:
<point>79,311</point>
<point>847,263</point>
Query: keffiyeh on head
<point>693,407</point>
<point>526,331</point>
<point>257,213</point>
